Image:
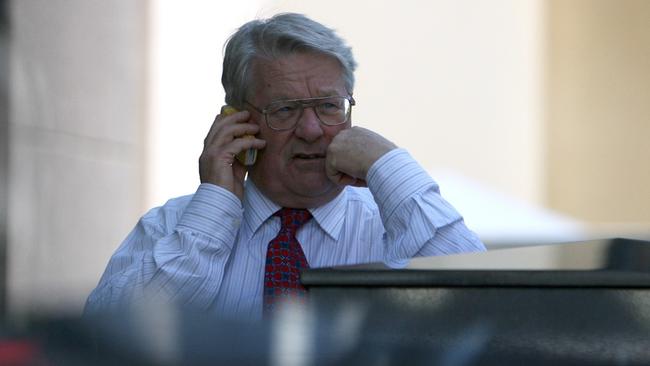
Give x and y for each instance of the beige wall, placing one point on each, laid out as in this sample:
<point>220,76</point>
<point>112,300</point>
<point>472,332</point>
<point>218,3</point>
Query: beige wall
<point>599,110</point>
<point>76,127</point>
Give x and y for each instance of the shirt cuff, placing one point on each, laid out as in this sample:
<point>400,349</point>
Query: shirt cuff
<point>394,178</point>
<point>214,212</point>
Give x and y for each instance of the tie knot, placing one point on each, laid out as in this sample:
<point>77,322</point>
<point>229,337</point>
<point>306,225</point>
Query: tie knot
<point>292,218</point>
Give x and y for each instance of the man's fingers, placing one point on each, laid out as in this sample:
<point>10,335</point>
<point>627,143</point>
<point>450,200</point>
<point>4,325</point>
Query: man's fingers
<point>354,150</point>
<point>213,130</point>
<point>228,136</point>
<point>228,151</point>
<point>218,165</point>
<point>343,179</point>
<point>330,169</point>
<point>247,142</point>
<point>222,121</point>
<point>230,133</point>
<point>339,177</point>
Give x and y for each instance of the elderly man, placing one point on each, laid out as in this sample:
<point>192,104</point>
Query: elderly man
<point>321,193</point>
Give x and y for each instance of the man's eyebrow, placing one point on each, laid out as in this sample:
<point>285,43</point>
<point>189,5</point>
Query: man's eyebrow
<point>329,92</point>
<point>318,94</point>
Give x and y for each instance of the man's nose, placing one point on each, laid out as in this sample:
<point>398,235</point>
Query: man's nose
<point>309,127</point>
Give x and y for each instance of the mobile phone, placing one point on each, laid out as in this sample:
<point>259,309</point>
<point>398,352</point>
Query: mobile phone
<point>248,156</point>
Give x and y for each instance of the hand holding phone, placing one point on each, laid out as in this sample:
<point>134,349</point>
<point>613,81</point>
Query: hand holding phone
<point>248,156</point>
<point>218,164</point>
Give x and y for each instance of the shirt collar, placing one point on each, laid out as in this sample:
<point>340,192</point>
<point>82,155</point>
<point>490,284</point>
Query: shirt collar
<point>258,208</point>
<point>331,215</point>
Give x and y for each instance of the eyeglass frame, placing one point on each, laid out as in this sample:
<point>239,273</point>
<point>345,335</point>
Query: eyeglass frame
<point>304,103</point>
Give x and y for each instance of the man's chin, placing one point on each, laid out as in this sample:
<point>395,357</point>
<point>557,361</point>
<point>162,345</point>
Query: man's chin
<point>316,187</point>
<point>298,188</point>
<point>317,193</point>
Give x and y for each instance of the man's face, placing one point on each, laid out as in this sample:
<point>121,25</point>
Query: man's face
<point>290,170</point>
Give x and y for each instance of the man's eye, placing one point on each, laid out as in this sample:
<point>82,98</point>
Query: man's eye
<point>329,107</point>
<point>284,108</point>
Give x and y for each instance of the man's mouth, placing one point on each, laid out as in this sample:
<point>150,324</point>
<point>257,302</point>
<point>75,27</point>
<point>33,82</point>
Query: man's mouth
<point>308,156</point>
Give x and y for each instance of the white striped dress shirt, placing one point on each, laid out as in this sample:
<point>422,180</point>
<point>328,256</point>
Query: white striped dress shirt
<point>207,250</point>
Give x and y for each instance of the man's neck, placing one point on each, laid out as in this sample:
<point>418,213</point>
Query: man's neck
<point>292,200</point>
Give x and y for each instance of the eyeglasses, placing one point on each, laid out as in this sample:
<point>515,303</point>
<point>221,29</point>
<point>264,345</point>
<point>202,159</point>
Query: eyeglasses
<point>283,115</point>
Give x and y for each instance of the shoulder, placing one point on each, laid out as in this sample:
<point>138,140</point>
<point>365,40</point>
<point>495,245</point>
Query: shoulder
<point>168,214</point>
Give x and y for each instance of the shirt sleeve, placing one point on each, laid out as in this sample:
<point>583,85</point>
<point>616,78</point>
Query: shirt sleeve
<point>418,221</point>
<point>177,252</point>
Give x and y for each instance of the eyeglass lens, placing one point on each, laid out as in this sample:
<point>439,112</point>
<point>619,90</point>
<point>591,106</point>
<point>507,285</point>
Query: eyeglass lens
<point>285,114</point>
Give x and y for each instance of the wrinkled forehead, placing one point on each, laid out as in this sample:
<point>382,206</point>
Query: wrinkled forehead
<point>295,76</point>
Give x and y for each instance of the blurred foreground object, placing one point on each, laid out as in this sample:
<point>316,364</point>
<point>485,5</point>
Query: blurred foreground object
<point>467,309</point>
<point>510,306</point>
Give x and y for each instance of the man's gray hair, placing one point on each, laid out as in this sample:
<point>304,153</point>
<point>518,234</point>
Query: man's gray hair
<point>268,39</point>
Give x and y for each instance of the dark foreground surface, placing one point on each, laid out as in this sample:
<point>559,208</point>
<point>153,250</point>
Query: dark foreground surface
<point>597,314</point>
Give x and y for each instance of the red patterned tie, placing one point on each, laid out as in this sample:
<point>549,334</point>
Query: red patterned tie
<point>285,259</point>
